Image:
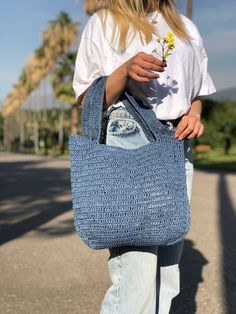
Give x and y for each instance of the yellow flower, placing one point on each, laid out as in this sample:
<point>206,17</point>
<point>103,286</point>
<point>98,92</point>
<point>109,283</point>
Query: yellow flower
<point>170,35</point>
<point>167,44</point>
<point>171,47</point>
<point>165,55</point>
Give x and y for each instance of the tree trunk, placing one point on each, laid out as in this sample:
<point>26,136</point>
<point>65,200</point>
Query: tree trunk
<point>45,138</point>
<point>6,135</point>
<point>22,136</point>
<point>189,8</point>
<point>44,100</point>
<point>61,130</point>
<point>36,134</point>
<point>74,119</point>
<point>227,145</point>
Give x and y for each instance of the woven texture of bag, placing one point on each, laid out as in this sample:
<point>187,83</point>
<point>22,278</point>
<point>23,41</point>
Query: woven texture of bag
<point>127,196</point>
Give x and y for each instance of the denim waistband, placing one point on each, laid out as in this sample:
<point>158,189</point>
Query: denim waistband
<point>121,112</point>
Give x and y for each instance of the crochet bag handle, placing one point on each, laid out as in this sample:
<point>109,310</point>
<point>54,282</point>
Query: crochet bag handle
<point>92,112</point>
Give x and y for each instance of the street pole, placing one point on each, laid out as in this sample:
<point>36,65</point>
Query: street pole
<point>189,9</point>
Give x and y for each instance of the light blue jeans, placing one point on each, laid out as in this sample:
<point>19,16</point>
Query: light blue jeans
<point>144,279</point>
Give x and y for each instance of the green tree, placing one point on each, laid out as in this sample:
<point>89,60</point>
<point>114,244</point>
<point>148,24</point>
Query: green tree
<point>220,124</point>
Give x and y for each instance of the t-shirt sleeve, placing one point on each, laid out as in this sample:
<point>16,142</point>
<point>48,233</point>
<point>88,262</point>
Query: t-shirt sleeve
<point>88,65</point>
<point>207,85</point>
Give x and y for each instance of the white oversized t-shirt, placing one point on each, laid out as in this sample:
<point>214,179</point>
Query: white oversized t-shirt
<point>185,77</point>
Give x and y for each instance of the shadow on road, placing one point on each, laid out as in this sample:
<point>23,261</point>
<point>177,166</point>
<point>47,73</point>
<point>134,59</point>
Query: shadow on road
<point>227,223</point>
<point>191,266</point>
<point>32,194</point>
<point>193,261</point>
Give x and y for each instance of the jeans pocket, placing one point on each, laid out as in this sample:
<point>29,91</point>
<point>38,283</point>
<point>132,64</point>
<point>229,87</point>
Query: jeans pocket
<point>121,127</point>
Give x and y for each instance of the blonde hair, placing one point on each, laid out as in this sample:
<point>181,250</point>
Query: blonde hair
<point>126,13</point>
<point>90,6</point>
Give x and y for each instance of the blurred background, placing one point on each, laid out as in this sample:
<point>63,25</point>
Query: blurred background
<point>39,42</point>
<point>45,267</point>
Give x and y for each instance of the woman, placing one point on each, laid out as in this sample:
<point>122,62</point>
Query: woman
<point>119,41</point>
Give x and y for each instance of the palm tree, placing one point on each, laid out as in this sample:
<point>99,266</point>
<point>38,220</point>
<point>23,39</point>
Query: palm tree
<point>66,33</point>
<point>62,76</point>
<point>61,34</point>
<point>57,40</point>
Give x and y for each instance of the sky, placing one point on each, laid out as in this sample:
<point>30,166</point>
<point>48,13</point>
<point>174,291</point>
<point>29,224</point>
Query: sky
<point>22,22</point>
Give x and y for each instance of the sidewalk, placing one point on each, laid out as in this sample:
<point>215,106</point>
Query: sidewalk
<point>45,268</point>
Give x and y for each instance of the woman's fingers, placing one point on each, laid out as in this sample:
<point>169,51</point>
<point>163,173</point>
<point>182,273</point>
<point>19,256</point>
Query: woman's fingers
<point>148,61</point>
<point>181,127</point>
<point>140,67</point>
<point>195,132</point>
<point>201,131</point>
<point>136,69</point>
<point>189,127</point>
<point>151,66</point>
<point>150,58</point>
<point>138,78</point>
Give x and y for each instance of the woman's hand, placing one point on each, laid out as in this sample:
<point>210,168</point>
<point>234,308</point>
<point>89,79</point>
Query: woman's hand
<point>139,66</point>
<point>189,126</point>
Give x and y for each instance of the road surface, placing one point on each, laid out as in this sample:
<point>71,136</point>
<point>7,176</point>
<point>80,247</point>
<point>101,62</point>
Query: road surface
<point>45,268</point>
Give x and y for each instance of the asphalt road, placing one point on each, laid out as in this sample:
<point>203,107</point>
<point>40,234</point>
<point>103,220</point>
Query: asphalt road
<point>46,269</point>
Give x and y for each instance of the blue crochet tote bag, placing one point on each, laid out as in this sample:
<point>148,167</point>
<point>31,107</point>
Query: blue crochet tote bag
<point>127,196</point>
